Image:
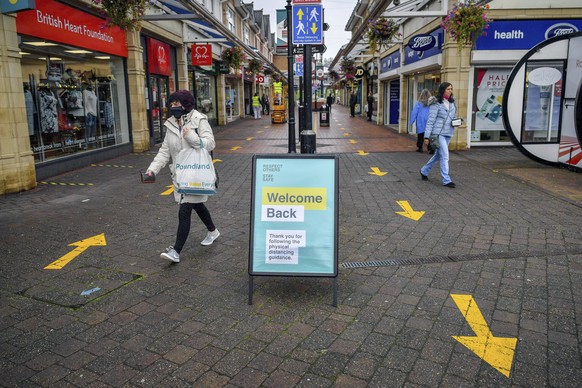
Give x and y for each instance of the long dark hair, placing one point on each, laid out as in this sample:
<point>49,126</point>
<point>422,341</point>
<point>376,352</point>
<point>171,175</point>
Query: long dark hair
<point>442,87</point>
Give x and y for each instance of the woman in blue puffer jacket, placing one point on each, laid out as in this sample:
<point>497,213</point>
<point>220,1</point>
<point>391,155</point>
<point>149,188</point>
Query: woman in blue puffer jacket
<point>440,116</point>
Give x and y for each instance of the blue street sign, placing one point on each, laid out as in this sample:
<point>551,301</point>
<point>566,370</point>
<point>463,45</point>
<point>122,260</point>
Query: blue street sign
<point>299,69</point>
<point>307,24</point>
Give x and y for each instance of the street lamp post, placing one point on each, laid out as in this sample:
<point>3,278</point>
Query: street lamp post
<point>290,89</point>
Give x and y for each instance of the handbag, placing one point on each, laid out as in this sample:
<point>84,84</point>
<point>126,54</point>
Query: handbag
<point>194,171</point>
<point>433,142</point>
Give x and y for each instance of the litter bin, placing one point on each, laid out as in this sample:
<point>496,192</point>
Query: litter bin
<point>324,116</point>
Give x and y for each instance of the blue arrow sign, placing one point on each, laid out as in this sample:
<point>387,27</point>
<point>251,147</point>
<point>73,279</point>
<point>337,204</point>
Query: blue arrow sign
<point>307,24</point>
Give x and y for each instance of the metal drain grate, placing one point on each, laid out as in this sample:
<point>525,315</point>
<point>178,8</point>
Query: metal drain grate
<point>457,258</point>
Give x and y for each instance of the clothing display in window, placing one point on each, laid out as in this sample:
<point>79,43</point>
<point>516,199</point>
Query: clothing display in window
<point>73,102</point>
<point>108,115</point>
<point>30,111</point>
<point>48,112</point>
<point>90,102</point>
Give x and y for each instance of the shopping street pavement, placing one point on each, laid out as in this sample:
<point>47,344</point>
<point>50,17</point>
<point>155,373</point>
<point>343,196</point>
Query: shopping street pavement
<point>498,259</point>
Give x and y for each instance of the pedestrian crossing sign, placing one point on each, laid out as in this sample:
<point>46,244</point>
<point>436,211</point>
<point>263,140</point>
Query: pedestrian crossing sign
<point>307,24</point>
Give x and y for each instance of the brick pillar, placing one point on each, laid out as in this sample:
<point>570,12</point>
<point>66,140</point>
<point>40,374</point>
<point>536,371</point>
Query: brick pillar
<point>17,171</point>
<point>137,91</point>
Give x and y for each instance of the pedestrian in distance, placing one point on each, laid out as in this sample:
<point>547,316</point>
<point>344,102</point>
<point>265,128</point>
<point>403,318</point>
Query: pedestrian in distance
<point>353,102</point>
<point>420,116</point>
<point>439,123</point>
<point>265,104</point>
<point>186,127</point>
<point>370,107</point>
<point>257,105</point>
<point>329,101</point>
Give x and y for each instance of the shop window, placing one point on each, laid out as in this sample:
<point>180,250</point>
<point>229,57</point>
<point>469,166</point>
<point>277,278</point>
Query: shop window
<point>488,101</point>
<point>72,100</point>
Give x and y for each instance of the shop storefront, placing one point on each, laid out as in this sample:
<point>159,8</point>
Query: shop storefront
<point>492,60</point>
<point>231,97</point>
<point>202,81</point>
<point>74,81</point>
<point>423,61</point>
<point>160,58</point>
<point>389,76</point>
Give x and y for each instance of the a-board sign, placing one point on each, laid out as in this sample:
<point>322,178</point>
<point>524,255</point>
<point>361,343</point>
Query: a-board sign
<point>294,208</point>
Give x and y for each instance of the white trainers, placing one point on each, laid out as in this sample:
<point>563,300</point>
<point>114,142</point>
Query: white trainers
<point>171,254</point>
<point>210,237</point>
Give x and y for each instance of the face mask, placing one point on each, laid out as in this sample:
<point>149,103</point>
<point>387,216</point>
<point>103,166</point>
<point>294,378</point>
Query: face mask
<point>177,111</point>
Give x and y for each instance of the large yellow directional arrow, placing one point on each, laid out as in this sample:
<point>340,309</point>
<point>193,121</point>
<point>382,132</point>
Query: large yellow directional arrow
<point>496,351</point>
<point>249,138</point>
<point>235,148</point>
<point>314,27</point>
<point>216,161</point>
<point>300,14</point>
<point>362,153</point>
<point>169,191</point>
<point>97,240</point>
<point>409,212</point>
<point>376,171</point>
<point>353,141</point>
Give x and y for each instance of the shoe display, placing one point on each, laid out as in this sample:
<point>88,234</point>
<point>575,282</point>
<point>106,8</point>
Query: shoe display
<point>210,237</point>
<point>424,177</point>
<point>171,254</point>
<point>450,185</point>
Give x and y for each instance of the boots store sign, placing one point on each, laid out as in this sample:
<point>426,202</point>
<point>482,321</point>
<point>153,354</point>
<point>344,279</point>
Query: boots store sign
<point>60,23</point>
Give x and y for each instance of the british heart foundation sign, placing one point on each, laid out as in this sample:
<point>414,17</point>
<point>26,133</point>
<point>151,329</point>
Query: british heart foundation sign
<point>201,55</point>
<point>159,57</point>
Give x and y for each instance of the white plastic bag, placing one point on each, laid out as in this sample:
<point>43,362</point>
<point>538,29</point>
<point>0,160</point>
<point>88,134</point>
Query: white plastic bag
<point>195,173</point>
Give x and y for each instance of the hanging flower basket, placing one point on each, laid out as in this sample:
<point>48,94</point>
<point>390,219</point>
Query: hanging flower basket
<point>348,67</point>
<point>466,22</point>
<point>233,56</point>
<point>126,14</point>
<point>333,75</point>
<point>381,32</point>
<point>255,66</point>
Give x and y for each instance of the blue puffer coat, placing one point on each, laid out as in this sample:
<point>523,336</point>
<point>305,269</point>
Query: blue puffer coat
<point>439,120</point>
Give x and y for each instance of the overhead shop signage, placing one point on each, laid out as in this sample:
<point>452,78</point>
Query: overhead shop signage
<point>390,62</point>
<point>10,6</point>
<point>422,42</point>
<point>524,34</point>
<point>419,53</point>
<point>201,55</point>
<point>60,23</point>
<point>159,57</point>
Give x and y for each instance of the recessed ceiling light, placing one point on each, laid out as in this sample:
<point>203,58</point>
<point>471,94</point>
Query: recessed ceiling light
<point>55,59</point>
<point>42,58</point>
<point>103,57</point>
<point>23,53</point>
<point>41,44</point>
<point>78,51</point>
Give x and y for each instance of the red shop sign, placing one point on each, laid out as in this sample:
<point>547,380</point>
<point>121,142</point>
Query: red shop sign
<point>159,57</point>
<point>201,55</point>
<point>60,23</point>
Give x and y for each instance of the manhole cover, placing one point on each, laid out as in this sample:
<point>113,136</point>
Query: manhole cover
<point>79,287</point>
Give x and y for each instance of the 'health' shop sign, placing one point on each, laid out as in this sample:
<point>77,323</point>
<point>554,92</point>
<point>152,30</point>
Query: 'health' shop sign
<point>294,216</point>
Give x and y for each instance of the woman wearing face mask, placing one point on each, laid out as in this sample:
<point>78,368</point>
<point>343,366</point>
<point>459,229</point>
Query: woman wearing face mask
<point>186,127</point>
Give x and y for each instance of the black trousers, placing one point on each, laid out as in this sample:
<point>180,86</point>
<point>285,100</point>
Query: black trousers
<point>419,140</point>
<point>185,220</point>
<point>352,110</point>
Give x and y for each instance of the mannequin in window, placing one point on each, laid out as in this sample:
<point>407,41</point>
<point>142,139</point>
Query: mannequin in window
<point>30,109</point>
<point>90,103</point>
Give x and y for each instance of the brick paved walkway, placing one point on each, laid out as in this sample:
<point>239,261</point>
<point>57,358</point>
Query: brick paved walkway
<point>118,316</point>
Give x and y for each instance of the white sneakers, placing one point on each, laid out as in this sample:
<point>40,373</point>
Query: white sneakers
<point>210,237</point>
<point>171,254</point>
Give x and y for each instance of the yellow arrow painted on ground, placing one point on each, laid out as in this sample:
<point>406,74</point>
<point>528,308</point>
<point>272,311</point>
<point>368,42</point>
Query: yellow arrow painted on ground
<point>362,153</point>
<point>97,240</point>
<point>376,171</point>
<point>249,138</point>
<point>496,351</point>
<point>169,191</point>
<point>314,27</point>
<point>235,148</point>
<point>347,134</point>
<point>353,141</point>
<point>216,161</point>
<point>409,212</point>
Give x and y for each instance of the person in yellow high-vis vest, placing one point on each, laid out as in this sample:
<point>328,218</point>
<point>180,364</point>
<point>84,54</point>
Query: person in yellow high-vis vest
<point>257,105</point>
